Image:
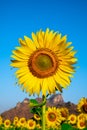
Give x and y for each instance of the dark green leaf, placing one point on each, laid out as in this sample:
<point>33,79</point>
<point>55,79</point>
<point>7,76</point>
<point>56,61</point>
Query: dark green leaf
<point>66,126</point>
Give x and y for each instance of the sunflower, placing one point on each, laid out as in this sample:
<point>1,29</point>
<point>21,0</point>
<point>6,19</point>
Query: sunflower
<point>64,113</point>
<point>81,124</point>
<point>31,124</point>
<point>38,126</point>
<point>82,105</point>
<point>81,116</point>
<point>72,119</point>
<point>7,123</point>
<point>45,62</point>
<point>53,117</point>
<point>16,118</point>
<point>86,116</point>
<point>1,120</point>
<point>22,122</point>
<point>15,121</point>
<point>36,117</point>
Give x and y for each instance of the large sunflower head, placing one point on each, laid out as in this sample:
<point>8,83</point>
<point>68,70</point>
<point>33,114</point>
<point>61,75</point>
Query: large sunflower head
<point>82,105</point>
<point>44,62</point>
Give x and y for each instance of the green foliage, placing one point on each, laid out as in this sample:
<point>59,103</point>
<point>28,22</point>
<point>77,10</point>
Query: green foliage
<point>85,129</point>
<point>66,126</point>
<point>36,109</point>
<point>33,101</point>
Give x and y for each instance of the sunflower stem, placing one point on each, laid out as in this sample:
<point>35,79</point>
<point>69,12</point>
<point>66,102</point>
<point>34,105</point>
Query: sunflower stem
<point>43,112</point>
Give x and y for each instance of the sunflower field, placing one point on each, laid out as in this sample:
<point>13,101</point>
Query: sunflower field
<point>56,119</point>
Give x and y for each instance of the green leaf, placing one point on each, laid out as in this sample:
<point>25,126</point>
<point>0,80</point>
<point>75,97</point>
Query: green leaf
<point>66,126</point>
<point>36,110</point>
<point>33,101</point>
<point>33,110</point>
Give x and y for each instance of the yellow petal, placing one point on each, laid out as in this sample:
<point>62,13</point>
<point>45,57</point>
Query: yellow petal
<point>68,54</point>
<point>21,73</point>
<point>34,37</point>
<point>23,78</point>
<point>54,43</point>
<point>21,70</point>
<point>65,74</point>
<point>25,50</point>
<point>18,64</point>
<point>22,42</point>
<point>33,85</point>
<point>20,54</point>
<point>36,88</point>
<point>40,39</point>
<point>68,44</point>
<point>64,77</point>
<point>58,87</point>
<point>52,84</point>
<point>60,81</point>
<point>44,86</point>
<point>71,60</point>
<point>19,58</point>
<point>48,39</point>
<point>28,83</point>
<point>67,68</point>
<point>30,43</point>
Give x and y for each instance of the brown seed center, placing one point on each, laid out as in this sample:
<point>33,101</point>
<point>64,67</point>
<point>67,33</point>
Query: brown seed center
<point>84,108</point>
<point>31,124</point>
<point>63,113</point>
<point>72,118</point>
<point>43,63</point>
<point>52,116</point>
<point>82,124</point>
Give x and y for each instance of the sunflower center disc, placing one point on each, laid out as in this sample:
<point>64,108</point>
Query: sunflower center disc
<point>72,118</point>
<point>43,63</point>
<point>52,116</point>
<point>31,124</point>
<point>64,114</point>
<point>85,108</point>
<point>82,124</point>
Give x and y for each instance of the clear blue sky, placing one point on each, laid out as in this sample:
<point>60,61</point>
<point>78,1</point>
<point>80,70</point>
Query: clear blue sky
<point>21,17</point>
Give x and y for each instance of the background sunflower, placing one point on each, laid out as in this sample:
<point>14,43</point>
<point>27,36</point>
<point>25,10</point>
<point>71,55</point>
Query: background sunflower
<point>53,118</point>
<point>82,105</point>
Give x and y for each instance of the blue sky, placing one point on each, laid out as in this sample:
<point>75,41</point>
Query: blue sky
<point>21,17</point>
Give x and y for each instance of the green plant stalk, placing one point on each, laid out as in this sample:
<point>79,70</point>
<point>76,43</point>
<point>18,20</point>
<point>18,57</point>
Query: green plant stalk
<point>43,112</point>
